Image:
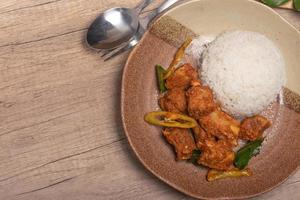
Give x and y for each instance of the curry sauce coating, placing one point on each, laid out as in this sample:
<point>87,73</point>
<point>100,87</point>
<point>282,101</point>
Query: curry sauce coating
<point>217,155</point>
<point>182,77</point>
<point>221,125</point>
<point>252,128</point>
<point>182,140</point>
<point>201,137</point>
<point>200,100</point>
<point>174,101</point>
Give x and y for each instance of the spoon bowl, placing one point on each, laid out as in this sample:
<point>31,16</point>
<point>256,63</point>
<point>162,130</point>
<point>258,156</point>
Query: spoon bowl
<point>112,28</point>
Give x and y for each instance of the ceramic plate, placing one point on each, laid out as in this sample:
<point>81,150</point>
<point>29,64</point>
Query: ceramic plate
<point>280,155</point>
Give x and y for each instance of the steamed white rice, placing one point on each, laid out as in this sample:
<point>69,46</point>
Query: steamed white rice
<point>244,69</point>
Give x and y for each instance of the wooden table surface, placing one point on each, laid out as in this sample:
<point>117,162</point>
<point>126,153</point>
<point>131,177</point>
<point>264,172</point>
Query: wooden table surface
<point>61,135</point>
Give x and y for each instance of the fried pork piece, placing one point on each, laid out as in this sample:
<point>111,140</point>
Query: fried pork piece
<point>221,125</point>
<point>217,155</point>
<point>201,137</point>
<point>252,128</point>
<point>182,77</point>
<point>200,100</point>
<point>182,140</point>
<point>174,101</point>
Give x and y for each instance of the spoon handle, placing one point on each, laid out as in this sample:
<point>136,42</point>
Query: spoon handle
<point>162,7</point>
<point>142,5</point>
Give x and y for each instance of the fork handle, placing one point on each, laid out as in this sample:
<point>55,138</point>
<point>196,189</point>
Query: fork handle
<point>142,5</point>
<point>161,8</point>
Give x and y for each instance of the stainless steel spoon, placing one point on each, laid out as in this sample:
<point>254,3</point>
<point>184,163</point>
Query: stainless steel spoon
<point>143,24</point>
<point>114,27</point>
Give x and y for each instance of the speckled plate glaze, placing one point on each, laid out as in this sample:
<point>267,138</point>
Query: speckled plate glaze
<point>280,155</point>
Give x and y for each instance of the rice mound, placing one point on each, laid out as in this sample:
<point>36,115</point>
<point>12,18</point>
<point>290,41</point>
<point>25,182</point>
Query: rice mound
<point>245,70</point>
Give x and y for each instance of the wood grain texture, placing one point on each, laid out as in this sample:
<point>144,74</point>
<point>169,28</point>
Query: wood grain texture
<point>60,129</point>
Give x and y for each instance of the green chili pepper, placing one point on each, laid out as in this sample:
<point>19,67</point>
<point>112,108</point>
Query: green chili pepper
<point>246,153</point>
<point>274,3</point>
<point>160,72</point>
<point>297,4</point>
<point>195,155</point>
<point>169,119</point>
